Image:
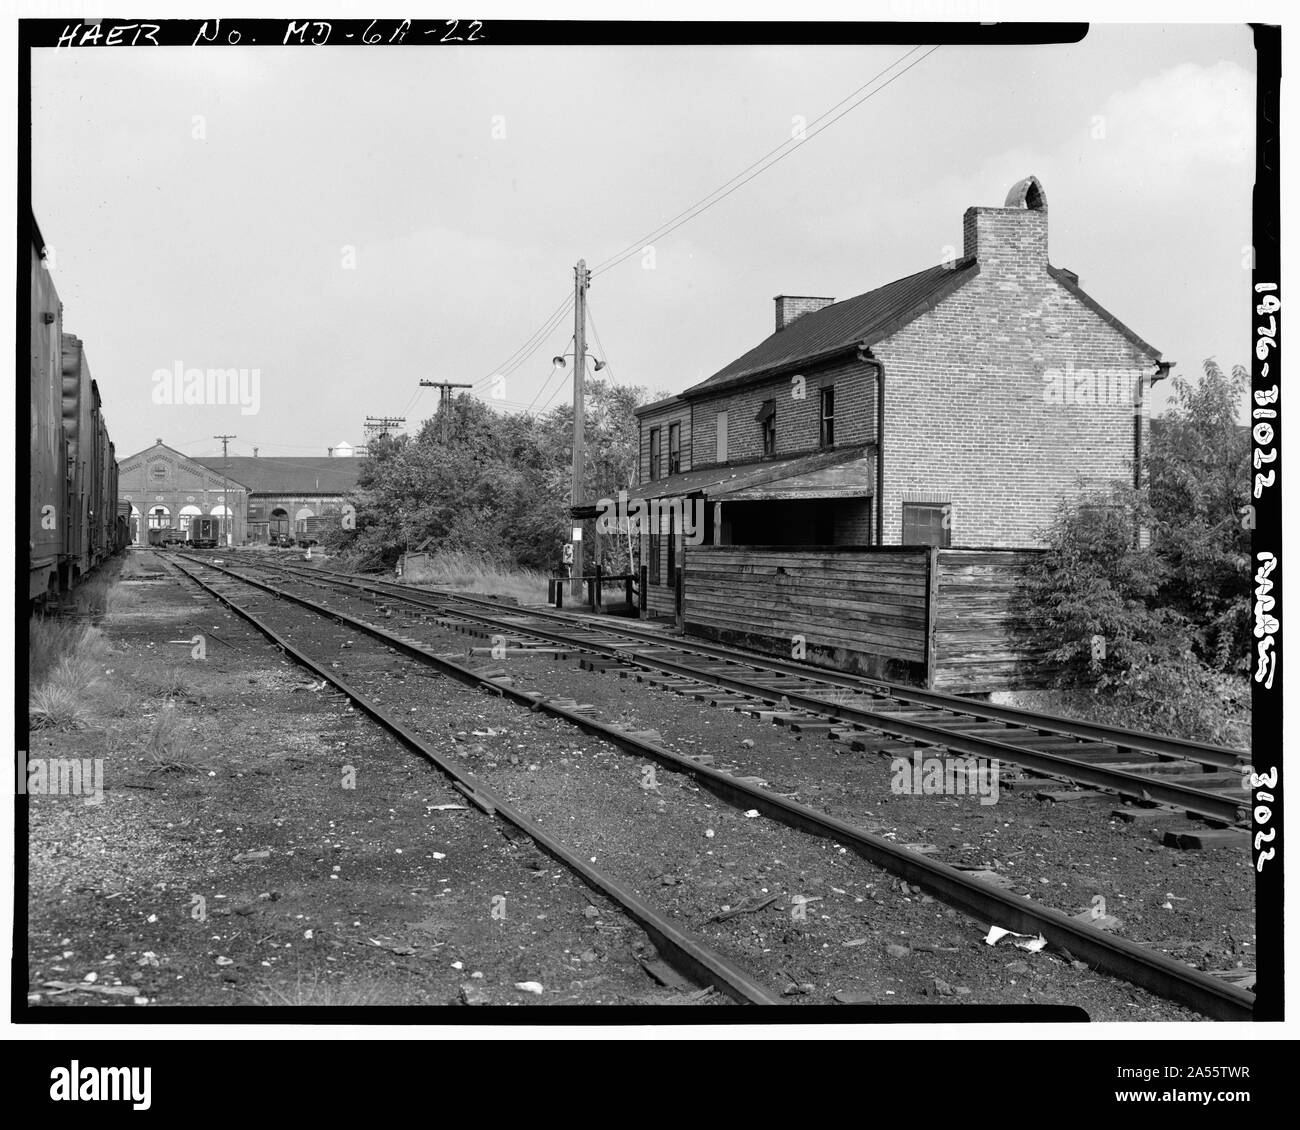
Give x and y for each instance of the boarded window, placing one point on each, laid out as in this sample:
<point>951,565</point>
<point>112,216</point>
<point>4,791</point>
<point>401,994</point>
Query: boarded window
<point>722,437</point>
<point>828,418</point>
<point>674,448</point>
<point>766,418</point>
<point>654,454</point>
<point>927,523</point>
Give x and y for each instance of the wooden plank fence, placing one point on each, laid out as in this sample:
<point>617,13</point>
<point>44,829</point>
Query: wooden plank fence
<point>952,619</point>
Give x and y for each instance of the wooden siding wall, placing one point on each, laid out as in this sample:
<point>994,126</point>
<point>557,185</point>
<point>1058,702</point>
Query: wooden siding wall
<point>983,637</point>
<point>954,619</point>
<point>862,610</point>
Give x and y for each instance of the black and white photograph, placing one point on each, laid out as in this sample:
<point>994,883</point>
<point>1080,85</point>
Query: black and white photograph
<point>680,519</point>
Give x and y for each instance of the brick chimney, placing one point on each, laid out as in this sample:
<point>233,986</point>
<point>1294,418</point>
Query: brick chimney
<point>792,306</point>
<point>1012,238</point>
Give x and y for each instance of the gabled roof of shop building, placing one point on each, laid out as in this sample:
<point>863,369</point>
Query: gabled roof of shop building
<point>296,474</point>
<point>729,479</point>
<point>863,320</point>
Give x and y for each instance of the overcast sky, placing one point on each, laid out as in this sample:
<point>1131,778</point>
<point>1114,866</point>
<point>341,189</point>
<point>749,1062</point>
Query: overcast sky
<point>348,221</point>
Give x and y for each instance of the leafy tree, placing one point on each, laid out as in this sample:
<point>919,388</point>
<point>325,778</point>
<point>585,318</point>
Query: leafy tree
<point>1199,472</point>
<point>500,486</point>
<point>1157,628</point>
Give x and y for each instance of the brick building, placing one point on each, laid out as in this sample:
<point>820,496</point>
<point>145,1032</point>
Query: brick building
<point>168,490</point>
<point>259,496</point>
<point>954,407</point>
<point>284,491</point>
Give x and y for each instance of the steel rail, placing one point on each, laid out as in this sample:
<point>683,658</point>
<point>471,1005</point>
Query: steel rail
<point>1160,744</point>
<point>688,954</point>
<point>1128,960</point>
<point>1227,810</point>
<point>1164,745</point>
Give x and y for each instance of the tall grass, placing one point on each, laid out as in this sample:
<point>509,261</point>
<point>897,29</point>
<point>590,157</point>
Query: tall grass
<point>466,571</point>
<point>65,659</point>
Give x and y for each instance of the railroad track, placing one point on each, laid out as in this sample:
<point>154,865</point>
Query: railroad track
<point>1202,780</point>
<point>688,954</point>
<point>1118,956</point>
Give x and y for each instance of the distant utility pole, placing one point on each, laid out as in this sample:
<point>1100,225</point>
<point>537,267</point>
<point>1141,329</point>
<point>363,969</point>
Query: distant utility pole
<point>382,425</point>
<point>225,483</point>
<point>444,403</point>
<point>581,280</point>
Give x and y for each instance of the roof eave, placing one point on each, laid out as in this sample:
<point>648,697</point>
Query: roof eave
<point>1069,280</point>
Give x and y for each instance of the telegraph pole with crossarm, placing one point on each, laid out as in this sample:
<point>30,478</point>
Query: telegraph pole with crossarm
<point>444,403</point>
<point>225,482</point>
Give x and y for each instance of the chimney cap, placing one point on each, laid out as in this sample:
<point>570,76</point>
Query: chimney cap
<point>1027,193</point>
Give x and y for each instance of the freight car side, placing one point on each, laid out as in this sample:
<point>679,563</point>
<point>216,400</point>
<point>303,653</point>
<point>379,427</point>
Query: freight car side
<point>47,500</point>
<point>78,429</point>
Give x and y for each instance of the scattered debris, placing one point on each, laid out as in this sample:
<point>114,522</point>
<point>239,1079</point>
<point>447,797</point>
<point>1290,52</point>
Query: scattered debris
<point>61,987</point>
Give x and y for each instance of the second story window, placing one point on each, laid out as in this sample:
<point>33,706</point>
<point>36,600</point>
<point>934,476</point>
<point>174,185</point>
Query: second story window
<point>828,418</point>
<point>654,454</point>
<point>767,421</point>
<point>674,448</point>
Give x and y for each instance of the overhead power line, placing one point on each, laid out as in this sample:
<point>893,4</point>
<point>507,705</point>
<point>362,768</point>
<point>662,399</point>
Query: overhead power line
<point>780,153</point>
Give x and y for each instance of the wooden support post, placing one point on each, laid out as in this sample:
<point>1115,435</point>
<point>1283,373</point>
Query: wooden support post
<point>679,597</point>
<point>559,593</point>
<point>599,600</point>
<point>642,595</point>
<point>931,614</point>
<point>627,581</point>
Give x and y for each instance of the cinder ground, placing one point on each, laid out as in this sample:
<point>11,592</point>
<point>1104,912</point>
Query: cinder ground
<point>231,863</point>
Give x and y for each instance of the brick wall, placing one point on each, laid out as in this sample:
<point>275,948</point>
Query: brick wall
<point>970,414</point>
<point>853,522</point>
<point>797,418</point>
<point>678,412</point>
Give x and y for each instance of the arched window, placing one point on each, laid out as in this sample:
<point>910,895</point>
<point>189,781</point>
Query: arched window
<point>279,521</point>
<point>219,512</point>
<point>160,518</point>
<point>305,512</point>
<point>187,513</point>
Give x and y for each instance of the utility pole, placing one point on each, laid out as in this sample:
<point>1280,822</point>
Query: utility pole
<point>376,426</point>
<point>581,280</point>
<point>225,485</point>
<point>444,404</point>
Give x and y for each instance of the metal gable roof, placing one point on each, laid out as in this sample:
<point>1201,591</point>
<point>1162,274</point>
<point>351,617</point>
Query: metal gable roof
<point>866,319</point>
<point>311,474</point>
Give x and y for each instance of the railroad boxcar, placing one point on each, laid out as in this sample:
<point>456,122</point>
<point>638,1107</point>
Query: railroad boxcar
<point>48,493</point>
<point>73,521</point>
<point>310,531</point>
<point>205,533</point>
<point>78,430</point>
